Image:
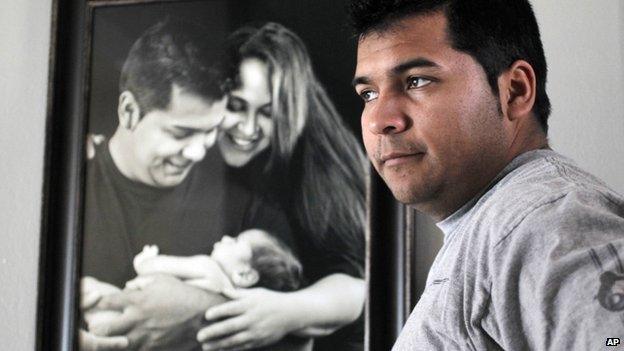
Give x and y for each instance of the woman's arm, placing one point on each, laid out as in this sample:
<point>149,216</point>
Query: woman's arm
<point>323,315</point>
<point>258,317</point>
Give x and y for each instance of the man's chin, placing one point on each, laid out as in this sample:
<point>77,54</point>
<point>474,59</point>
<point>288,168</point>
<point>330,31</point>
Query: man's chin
<point>170,180</point>
<point>411,195</point>
<point>406,198</point>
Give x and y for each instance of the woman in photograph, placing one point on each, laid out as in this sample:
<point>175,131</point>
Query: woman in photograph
<point>283,133</point>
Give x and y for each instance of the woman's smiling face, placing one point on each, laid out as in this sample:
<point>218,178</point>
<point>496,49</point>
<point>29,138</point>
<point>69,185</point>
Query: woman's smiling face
<point>247,128</point>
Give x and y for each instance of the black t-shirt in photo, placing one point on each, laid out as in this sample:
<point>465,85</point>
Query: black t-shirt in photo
<point>121,215</point>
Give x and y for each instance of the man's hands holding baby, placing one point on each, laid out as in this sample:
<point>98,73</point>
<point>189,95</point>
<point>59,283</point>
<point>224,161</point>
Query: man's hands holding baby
<point>91,291</point>
<point>165,314</point>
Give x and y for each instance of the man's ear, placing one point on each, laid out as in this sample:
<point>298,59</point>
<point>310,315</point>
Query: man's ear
<point>517,87</point>
<point>245,278</point>
<point>128,110</point>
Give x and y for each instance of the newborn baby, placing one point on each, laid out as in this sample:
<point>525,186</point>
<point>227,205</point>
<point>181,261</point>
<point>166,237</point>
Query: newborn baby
<point>253,258</point>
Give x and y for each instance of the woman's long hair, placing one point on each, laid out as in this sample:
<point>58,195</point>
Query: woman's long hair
<point>329,199</point>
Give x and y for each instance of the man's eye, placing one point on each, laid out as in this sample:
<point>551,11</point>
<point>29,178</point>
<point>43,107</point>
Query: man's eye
<point>417,82</point>
<point>180,134</point>
<point>368,95</point>
<point>235,105</point>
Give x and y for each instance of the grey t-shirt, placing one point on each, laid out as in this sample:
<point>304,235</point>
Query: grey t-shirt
<point>535,262</point>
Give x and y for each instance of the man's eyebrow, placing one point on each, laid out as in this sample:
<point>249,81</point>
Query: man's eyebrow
<point>415,63</point>
<point>360,80</point>
<point>398,69</point>
<point>190,130</point>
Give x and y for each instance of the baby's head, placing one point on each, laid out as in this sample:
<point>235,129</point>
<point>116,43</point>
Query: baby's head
<point>256,258</point>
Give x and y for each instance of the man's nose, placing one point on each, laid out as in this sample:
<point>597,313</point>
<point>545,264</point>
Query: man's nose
<point>387,116</point>
<point>196,149</point>
<point>210,138</point>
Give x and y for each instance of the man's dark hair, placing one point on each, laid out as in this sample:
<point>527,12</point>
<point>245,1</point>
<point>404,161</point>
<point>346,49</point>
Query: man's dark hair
<point>495,33</point>
<point>171,52</point>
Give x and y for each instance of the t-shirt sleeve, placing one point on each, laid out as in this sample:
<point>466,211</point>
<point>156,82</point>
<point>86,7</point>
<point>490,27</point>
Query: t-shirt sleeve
<point>558,277</point>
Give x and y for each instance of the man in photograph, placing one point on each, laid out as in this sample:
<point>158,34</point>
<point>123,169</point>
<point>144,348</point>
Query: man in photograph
<point>455,121</point>
<point>155,182</point>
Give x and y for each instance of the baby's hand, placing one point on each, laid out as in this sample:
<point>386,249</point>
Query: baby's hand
<point>149,251</point>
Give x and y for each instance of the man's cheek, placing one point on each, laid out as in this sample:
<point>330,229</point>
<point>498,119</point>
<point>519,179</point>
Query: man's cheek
<point>230,120</point>
<point>168,149</point>
<point>369,144</point>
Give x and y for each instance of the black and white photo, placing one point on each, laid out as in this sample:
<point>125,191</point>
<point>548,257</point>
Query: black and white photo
<point>224,192</point>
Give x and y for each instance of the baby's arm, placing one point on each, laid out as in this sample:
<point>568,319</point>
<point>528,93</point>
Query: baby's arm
<point>200,270</point>
<point>150,262</point>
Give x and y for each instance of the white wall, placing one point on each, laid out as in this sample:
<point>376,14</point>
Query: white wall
<point>24,41</point>
<point>584,44</point>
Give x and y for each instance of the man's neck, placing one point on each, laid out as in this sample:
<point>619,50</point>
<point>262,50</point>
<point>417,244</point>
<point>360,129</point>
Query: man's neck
<point>529,138</point>
<point>118,148</point>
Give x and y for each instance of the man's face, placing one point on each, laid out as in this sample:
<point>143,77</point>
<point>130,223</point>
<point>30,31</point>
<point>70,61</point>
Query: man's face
<point>167,143</point>
<point>431,125</point>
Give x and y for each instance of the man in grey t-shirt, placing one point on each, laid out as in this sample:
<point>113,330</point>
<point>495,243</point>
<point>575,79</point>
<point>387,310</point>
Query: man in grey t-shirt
<point>455,121</point>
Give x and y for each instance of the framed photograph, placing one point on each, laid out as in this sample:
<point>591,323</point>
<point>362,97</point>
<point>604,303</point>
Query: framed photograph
<point>206,183</point>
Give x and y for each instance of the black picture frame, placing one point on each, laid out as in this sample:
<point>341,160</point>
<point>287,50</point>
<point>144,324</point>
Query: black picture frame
<point>390,230</point>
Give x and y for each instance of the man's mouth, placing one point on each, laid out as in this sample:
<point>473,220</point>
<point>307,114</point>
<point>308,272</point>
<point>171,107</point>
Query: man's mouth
<point>177,166</point>
<point>398,158</point>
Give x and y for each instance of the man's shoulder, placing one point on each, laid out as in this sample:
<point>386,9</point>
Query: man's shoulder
<point>548,179</point>
<point>93,145</point>
<point>548,189</point>
<point>555,229</point>
<point>99,164</point>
